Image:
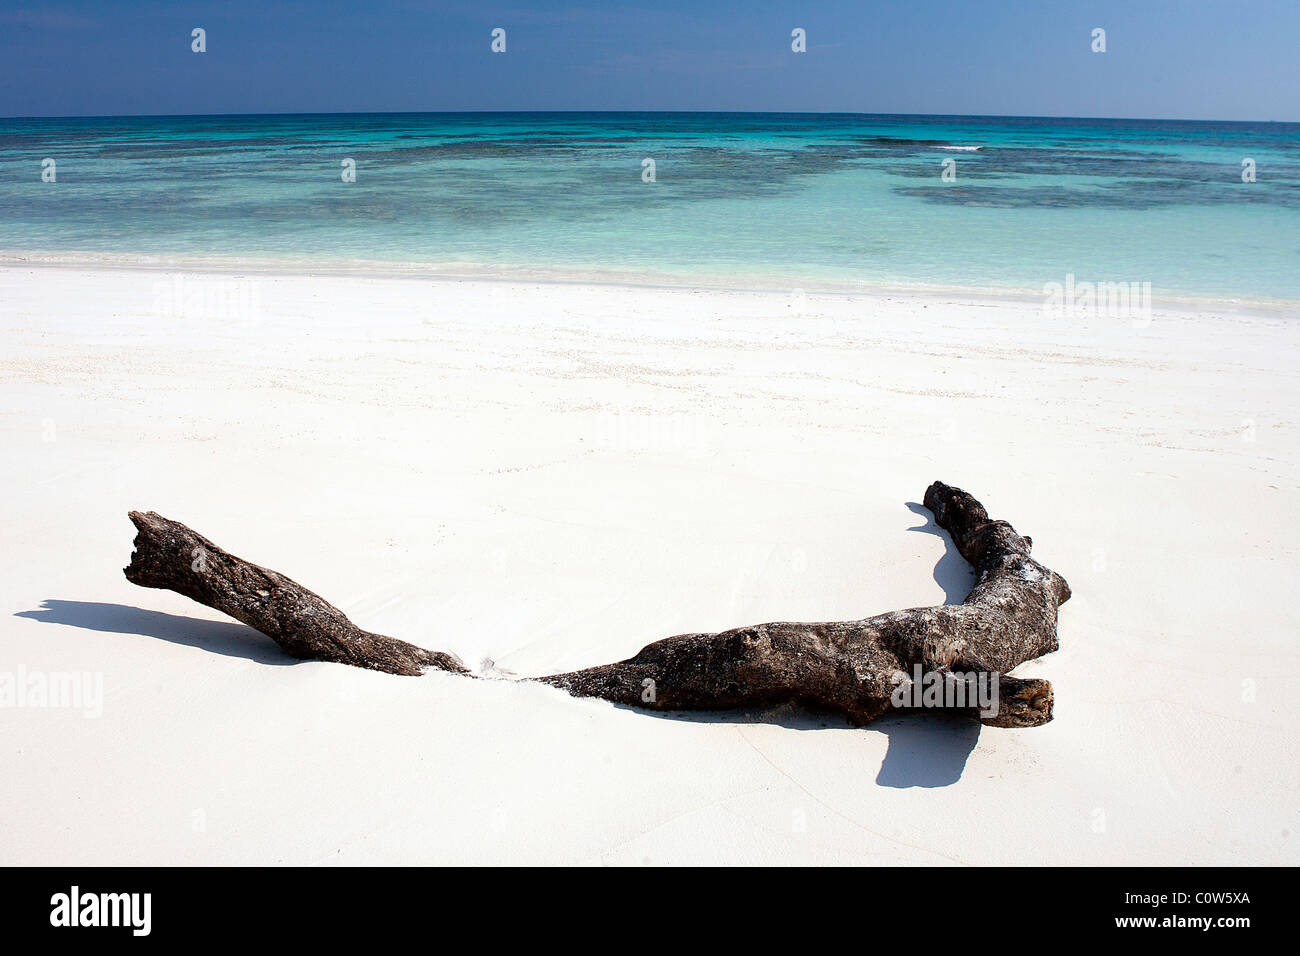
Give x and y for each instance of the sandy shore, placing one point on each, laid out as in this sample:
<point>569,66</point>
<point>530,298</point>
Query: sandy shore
<point>541,477</point>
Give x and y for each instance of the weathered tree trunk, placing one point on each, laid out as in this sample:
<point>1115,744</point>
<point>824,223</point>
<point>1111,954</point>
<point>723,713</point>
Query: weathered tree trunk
<point>855,668</point>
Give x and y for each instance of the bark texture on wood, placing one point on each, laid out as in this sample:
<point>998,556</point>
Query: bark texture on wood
<point>851,668</point>
<point>170,555</point>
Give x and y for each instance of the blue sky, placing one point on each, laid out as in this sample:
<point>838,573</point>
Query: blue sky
<point>1184,59</point>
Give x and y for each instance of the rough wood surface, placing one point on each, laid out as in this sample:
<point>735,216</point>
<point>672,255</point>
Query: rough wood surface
<point>170,555</point>
<point>853,668</point>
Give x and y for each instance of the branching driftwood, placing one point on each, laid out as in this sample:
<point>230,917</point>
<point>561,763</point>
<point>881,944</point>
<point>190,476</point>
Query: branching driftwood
<point>852,667</point>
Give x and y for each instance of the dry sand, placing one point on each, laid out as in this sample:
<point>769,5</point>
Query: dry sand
<point>541,477</point>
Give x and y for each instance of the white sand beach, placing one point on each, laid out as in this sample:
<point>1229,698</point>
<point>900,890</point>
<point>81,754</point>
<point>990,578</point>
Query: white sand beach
<point>540,477</point>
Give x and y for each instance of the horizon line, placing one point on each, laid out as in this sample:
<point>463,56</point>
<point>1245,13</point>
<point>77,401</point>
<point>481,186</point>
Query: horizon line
<point>1051,116</point>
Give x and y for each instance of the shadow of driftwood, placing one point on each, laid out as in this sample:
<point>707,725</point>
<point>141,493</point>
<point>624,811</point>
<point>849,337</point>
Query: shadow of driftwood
<point>220,637</point>
<point>927,751</point>
<point>951,573</point>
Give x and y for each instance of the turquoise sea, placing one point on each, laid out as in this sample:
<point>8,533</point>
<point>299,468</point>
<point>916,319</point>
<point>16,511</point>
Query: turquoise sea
<point>842,201</point>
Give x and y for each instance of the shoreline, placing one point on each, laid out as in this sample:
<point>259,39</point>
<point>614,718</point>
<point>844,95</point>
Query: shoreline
<point>721,282</point>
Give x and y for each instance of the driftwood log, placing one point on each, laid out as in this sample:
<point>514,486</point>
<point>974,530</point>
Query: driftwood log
<point>853,668</point>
